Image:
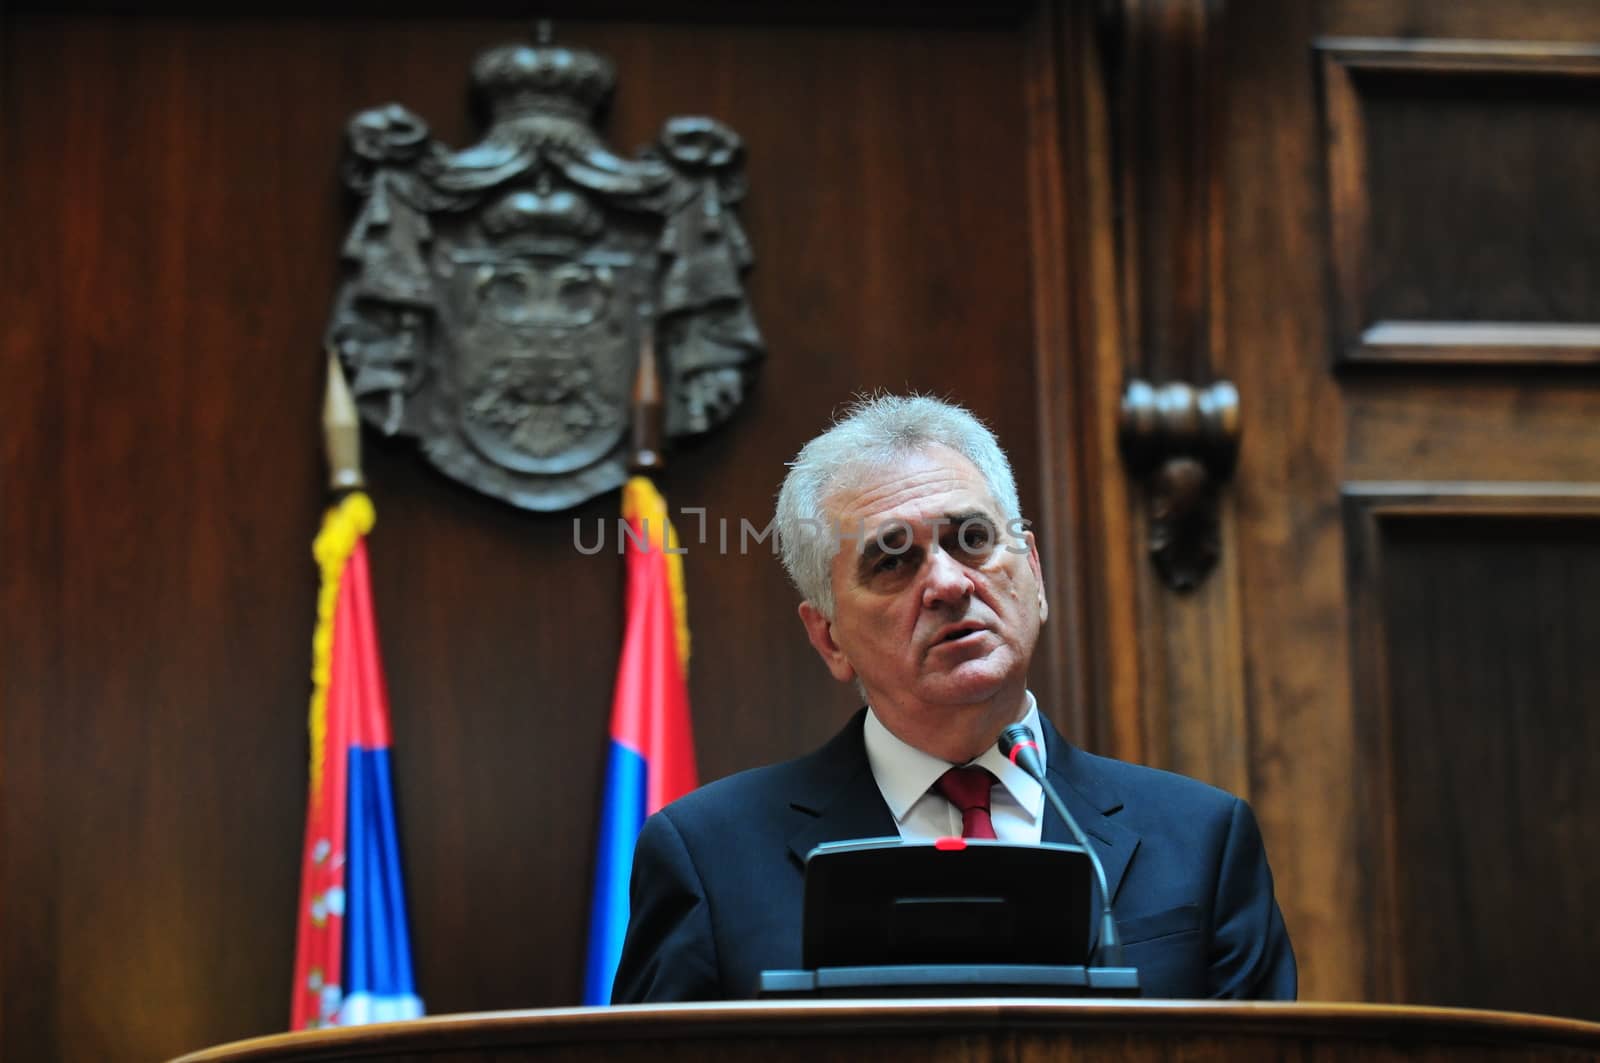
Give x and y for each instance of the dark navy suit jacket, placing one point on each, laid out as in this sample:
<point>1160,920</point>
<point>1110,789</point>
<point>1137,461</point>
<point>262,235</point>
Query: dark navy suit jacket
<point>716,890</point>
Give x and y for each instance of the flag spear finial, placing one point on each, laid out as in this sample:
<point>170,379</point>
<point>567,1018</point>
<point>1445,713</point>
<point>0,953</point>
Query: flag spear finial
<point>341,430</point>
<point>646,405</point>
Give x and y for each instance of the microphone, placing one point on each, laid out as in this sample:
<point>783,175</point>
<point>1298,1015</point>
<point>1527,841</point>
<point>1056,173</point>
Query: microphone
<point>1017,743</point>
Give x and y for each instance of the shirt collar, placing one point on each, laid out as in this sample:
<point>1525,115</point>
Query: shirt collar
<point>905,773</point>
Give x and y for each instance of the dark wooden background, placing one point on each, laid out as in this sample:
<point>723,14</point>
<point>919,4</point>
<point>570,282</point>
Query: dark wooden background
<point>934,204</point>
<point>172,226</point>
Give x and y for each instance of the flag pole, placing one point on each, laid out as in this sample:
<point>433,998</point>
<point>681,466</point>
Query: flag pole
<point>352,946</point>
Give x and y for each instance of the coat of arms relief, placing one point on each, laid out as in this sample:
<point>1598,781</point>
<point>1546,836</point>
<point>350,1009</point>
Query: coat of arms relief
<point>497,299</point>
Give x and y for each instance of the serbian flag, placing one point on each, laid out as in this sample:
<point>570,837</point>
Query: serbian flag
<point>352,953</point>
<point>650,761</point>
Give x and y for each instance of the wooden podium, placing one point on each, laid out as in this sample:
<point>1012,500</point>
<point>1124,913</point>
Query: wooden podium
<point>914,1031</point>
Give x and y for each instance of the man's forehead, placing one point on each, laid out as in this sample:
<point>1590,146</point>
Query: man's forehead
<point>920,489</point>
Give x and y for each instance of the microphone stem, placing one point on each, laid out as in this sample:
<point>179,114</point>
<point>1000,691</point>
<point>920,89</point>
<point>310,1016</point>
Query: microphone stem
<point>1110,949</point>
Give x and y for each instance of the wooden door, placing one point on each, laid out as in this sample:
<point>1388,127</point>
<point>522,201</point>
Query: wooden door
<point>1410,283</point>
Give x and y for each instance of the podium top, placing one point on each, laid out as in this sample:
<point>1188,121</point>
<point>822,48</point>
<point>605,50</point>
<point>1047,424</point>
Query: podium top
<point>969,1029</point>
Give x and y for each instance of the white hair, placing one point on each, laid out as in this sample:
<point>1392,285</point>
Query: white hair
<point>873,431</point>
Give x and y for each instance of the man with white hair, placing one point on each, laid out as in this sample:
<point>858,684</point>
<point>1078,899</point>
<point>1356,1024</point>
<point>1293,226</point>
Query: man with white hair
<point>901,528</point>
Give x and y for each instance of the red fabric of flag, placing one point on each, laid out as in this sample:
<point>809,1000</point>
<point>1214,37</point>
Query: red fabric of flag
<point>352,954</point>
<point>650,707</point>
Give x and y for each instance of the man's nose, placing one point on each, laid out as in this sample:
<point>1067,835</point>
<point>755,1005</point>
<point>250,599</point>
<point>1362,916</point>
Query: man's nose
<point>946,580</point>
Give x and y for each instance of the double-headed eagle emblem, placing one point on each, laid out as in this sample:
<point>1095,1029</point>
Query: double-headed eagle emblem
<point>500,303</point>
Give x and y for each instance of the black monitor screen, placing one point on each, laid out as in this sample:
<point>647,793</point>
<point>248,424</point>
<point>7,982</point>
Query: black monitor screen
<point>879,902</point>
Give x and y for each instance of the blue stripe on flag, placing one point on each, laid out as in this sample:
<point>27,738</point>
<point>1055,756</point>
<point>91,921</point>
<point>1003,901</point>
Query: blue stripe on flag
<point>377,948</point>
<point>621,815</point>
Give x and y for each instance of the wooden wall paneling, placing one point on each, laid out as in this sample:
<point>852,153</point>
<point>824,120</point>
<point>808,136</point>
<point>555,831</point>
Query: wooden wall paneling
<point>1168,100</point>
<point>1112,544</point>
<point>943,14</point>
<point>1470,619</point>
<point>1345,151</point>
<point>1474,427</point>
<point>146,497</point>
<point>1445,252</point>
<point>172,222</point>
<point>949,1031</point>
<point>1289,537</point>
<point>1086,527</point>
<point>1297,202</point>
<point>1382,968</point>
<point>1051,270</point>
<point>1570,21</point>
<point>24,544</point>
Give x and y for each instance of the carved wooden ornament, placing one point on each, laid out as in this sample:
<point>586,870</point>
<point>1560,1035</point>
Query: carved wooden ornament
<point>496,299</point>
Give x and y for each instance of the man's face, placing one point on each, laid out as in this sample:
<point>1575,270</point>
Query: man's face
<point>937,606</point>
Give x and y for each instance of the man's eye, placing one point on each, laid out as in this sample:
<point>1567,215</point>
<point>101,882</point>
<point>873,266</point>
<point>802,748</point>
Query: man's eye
<point>888,563</point>
<point>975,536</point>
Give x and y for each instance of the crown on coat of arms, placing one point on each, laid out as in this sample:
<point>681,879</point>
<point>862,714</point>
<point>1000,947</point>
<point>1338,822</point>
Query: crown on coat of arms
<point>541,78</point>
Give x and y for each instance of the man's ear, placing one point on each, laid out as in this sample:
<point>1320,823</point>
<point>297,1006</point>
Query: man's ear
<point>1038,575</point>
<point>819,629</point>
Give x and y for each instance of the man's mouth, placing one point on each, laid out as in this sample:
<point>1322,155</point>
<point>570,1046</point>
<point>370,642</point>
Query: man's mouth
<point>956,634</point>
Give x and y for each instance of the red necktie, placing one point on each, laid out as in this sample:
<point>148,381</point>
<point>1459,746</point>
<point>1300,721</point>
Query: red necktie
<point>968,790</point>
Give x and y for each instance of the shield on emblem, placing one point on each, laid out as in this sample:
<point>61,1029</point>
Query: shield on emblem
<point>498,298</point>
<point>543,354</point>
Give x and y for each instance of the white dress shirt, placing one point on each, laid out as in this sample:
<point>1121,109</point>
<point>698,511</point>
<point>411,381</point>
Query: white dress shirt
<point>905,776</point>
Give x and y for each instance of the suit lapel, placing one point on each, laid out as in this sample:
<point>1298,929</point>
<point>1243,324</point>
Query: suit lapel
<point>1092,802</point>
<point>838,799</point>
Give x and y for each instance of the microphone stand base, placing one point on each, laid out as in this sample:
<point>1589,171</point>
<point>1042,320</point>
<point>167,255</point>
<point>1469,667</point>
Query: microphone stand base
<point>950,980</point>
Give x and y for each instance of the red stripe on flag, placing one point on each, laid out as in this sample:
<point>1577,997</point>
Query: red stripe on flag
<point>370,707</point>
<point>650,709</point>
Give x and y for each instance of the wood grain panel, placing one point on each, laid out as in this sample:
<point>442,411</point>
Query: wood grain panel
<point>1307,431</point>
<point>1171,98</point>
<point>1034,1031</point>
<point>1571,21</point>
<point>1475,678</point>
<point>1289,544</point>
<point>172,216</point>
<point>1445,249</point>
<point>946,14</point>
<point>1087,517</point>
<point>1473,427</point>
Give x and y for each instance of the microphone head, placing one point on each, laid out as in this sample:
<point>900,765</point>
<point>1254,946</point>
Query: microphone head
<point>1017,743</point>
<point>1012,737</point>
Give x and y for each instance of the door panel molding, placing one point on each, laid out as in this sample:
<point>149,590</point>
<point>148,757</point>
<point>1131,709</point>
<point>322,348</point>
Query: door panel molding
<point>1427,229</point>
<point>1429,731</point>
